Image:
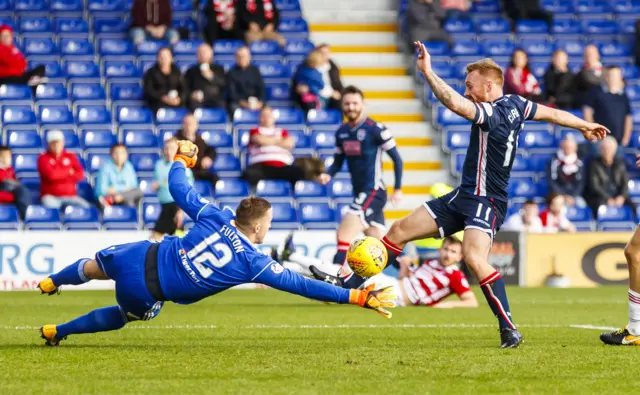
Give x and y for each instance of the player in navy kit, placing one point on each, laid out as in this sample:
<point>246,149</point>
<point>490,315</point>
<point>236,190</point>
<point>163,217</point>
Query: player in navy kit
<point>218,253</point>
<point>478,206</point>
<point>361,141</point>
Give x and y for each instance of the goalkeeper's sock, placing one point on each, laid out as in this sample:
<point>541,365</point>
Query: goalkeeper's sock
<point>634,313</point>
<point>496,295</point>
<point>341,254</point>
<point>99,320</point>
<point>71,275</point>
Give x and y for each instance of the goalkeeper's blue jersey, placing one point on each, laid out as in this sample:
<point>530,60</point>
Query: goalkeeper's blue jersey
<point>215,256</point>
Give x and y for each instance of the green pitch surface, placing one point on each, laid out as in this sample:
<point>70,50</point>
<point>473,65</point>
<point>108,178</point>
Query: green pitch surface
<point>264,341</point>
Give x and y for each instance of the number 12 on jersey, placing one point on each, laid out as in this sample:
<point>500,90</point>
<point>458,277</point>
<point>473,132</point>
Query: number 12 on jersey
<point>199,256</point>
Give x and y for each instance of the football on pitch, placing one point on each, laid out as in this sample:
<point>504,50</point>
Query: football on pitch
<point>367,256</point>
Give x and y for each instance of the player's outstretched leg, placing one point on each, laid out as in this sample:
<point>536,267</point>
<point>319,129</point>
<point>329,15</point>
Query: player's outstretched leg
<point>99,320</point>
<point>476,246</point>
<point>70,275</point>
<point>630,335</point>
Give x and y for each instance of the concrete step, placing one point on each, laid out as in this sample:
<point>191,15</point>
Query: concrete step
<point>369,60</point>
<point>399,106</point>
<point>410,129</point>
<point>417,178</point>
<point>391,83</point>
<point>372,47</point>
<point>419,154</point>
<point>352,5</point>
<point>373,71</point>
<point>355,38</point>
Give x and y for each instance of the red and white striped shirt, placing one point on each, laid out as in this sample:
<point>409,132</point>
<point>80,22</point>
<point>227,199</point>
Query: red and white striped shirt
<point>432,282</point>
<point>271,155</point>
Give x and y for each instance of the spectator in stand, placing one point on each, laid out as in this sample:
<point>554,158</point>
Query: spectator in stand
<point>457,9</point>
<point>519,80</point>
<point>60,171</point>
<point>151,20</point>
<point>167,222</point>
<point>117,183</point>
<point>246,86</point>
<point>331,77</point>
<point>554,219</point>
<point>566,174</point>
<point>608,182</point>
<point>591,74</point>
<point>609,105</point>
<point>527,220</point>
<point>424,21</point>
<point>559,81</point>
<point>203,169</point>
<point>163,84</point>
<point>13,65</point>
<point>270,156</point>
<point>11,190</point>
<point>205,82</point>
<point>310,92</point>
<point>260,20</point>
<point>222,21</point>
<point>527,9</point>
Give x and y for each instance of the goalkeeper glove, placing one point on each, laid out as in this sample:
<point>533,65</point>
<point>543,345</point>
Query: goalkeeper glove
<point>187,153</point>
<point>375,299</point>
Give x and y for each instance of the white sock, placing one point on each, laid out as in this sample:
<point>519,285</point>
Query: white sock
<point>634,313</point>
<point>306,261</point>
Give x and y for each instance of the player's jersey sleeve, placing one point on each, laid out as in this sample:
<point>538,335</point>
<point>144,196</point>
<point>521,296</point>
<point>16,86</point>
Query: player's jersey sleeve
<point>268,272</point>
<point>527,107</point>
<point>487,115</point>
<point>186,196</point>
<point>383,137</point>
<point>458,283</point>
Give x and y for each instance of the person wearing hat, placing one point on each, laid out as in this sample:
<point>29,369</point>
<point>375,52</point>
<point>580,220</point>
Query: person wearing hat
<point>60,171</point>
<point>13,65</point>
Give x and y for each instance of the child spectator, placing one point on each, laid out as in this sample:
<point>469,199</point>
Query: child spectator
<point>309,83</point>
<point>519,79</point>
<point>554,219</point>
<point>117,183</point>
<point>12,191</point>
<point>167,222</point>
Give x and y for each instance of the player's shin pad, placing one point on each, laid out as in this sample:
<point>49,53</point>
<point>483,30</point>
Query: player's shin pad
<point>374,299</point>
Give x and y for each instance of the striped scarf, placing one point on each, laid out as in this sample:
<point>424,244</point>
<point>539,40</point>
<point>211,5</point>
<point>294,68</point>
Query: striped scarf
<point>252,7</point>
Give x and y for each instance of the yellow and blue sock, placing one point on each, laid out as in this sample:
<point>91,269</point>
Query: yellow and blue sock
<point>99,320</point>
<point>72,274</point>
<point>496,295</point>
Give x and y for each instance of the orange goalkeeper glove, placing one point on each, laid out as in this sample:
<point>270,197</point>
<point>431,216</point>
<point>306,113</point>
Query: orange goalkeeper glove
<point>375,299</point>
<point>187,153</point>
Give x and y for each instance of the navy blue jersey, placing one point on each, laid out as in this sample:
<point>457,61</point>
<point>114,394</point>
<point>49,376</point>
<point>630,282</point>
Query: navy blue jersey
<point>215,256</point>
<point>362,147</point>
<point>493,145</point>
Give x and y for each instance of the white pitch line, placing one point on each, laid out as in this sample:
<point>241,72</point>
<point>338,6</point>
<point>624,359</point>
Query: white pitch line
<point>600,328</point>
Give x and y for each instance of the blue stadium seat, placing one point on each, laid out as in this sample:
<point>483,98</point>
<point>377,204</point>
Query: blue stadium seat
<point>293,27</point>
<point>592,9</point>
<point>15,94</point>
<point>558,6</point>
<point>67,7</point>
<point>459,27</point>
<point>611,218</point>
<point>96,160</point>
<point>186,47</point>
<point>298,47</point>
<point>77,48</point>
<point>32,183</point>
<point>21,140</point>
<point>71,140</point>
<point>634,190</point>
<point>42,218</point>
<point>203,188</point>
<point>579,214</point>
<point>34,26</point>
<point>536,47</point>
<point>226,47</point>
<point>531,139</point>
<point>437,48</point>
<point>329,118</point>
<point>539,69</point>
<point>301,140</point>
<point>112,47</point>
<point>53,70</point>
<point>572,46</point>
<point>227,64</point>
<point>447,117</point>
<point>148,48</point>
<point>82,69</point>
<point>144,162</point>
<point>538,162</point>
<point>241,117</point>
<point>120,218</point>
<point>466,48</point>
<point>633,92</point>
<point>110,26</point>
<point>71,27</point>
<point>273,70</point>
<point>170,116</point>
<point>279,93</point>
<point>107,7</point>
<point>150,214</point>
<point>166,134</point>
<point>146,186</point>
<point>600,28</point>
<point>87,93</point>
<point>121,70</point>
<point>443,69</point>
<point>563,133</point>
<point>341,189</point>
<point>55,115</point>
<point>18,115</point>
<point>80,218</point>
<point>311,191</point>
<point>626,8</point>
<point>328,160</point>
<point>566,27</point>
<point>25,163</point>
<point>285,216</point>
<point>324,140</point>
<point>220,139</point>
<point>522,188</point>
<point>211,117</point>
<point>274,189</point>
<point>232,187</point>
<point>39,46</point>
<point>498,47</point>
<point>457,140</point>
<point>9,219</point>
<point>614,49</point>
<point>126,92</point>
<point>318,216</point>
<point>627,26</point>
<point>289,7</point>
<point>521,165</point>
<point>92,139</point>
<point>140,139</point>
<point>51,93</point>
<point>181,6</point>
<point>227,165</point>
<point>531,27</point>
<point>288,116</point>
<point>129,115</point>
<point>493,26</point>
<point>265,50</point>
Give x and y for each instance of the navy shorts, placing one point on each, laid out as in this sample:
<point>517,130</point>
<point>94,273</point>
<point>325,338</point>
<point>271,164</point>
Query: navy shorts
<point>370,207</point>
<point>124,264</point>
<point>458,210</point>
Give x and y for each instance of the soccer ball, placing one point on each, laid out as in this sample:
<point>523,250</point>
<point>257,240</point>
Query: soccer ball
<point>367,256</point>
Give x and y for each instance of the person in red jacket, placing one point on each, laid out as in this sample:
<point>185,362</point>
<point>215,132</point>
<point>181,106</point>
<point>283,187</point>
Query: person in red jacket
<point>12,191</point>
<point>60,171</point>
<point>13,65</point>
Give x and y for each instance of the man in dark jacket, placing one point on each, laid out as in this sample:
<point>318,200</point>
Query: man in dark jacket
<point>608,182</point>
<point>163,85</point>
<point>151,20</point>
<point>424,21</point>
<point>203,170</point>
<point>205,82</point>
<point>260,20</point>
<point>246,86</point>
<point>527,9</point>
<point>591,74</point>
<point>566,174</point>
<point>558,81</point>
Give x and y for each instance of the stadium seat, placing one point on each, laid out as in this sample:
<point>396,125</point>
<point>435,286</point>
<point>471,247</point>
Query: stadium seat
<point>203,188</point>
<point>24,140</point>
<point>25,163</point>
<point>498,47</point>
<point>144,162</point>
<point>536,47</point>
<point>285,216</point>
<point>298,47</point>
<point>457,140</point>
<point>459,27</point>
<point>539,161</point>
<point>39,46</point>
<point>531,27</point>
<point>126,93</point>
<point>278,93</point>
<point>274,189</point>
<point>265,50</point>
<point>149,48</point>
<point>211,117</point>
<point>83,93</point>
<point>110,27</point>
<point>150,214</point>
<point>226,47</point>
<point>186,47</point>
<point>600,28</point>
<point>35,26</point>
<point>627,26</point>
<point>93,115</point>
<point>51,93</point>
<point>522,188</point>
<point>318,216</point>
<point>611,218</point>
<point>120,218</point>
<point>121,70</point>
<point>566,27</point>
<point>573,47</point>
<point>437,48</point>
<point>71,27</point>
<point>302,142</point>
<point>82,70</point>
<point>77,48</point>
<point>447,117</point>
<point>146,186</point>
<point>493,26</point>
<point>311,191</point>
<point>42,218</point>
<point>96,160</point>
<point>564,133</point>
<point>581,217</point>
<point>466,48</point>
<point>170,116</point>
<point>55,115</point>
<point>18,115</point>
<point>67,7</point>
<point>324,118</point>
<point>294,27</point>
<point>241,116</point>
<point>130,115</point>
<point>107,7</point>
<point>324,140</point>
<point>521,165</point>
<point>341,189</point>
<point>220,139</point>
<point>232,187</point>
<point>92,139</point>
<point>31,7</point>
<point>71,140</point>
<point>274,71</point>
<point>592,9</point>
<point>116,47</point>
<point>140,140</point>
<point>53,70</point>
<point>80,218</point>
<point>9,218</point>
<point>227,165</point>
<point>532,139</point>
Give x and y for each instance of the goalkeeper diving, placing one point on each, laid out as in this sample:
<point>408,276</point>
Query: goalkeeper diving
<point>219,252</point>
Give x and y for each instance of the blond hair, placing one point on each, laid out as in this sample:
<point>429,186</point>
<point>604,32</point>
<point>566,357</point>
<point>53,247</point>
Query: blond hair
<point>314,58</point>
<point>488,68</point>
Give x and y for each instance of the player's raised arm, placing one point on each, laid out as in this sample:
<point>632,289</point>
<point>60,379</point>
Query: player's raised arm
<point>591,131</point>
<point>445,94</point>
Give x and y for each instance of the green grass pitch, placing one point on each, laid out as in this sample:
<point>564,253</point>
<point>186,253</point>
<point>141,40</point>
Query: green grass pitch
<point>264,341</point>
